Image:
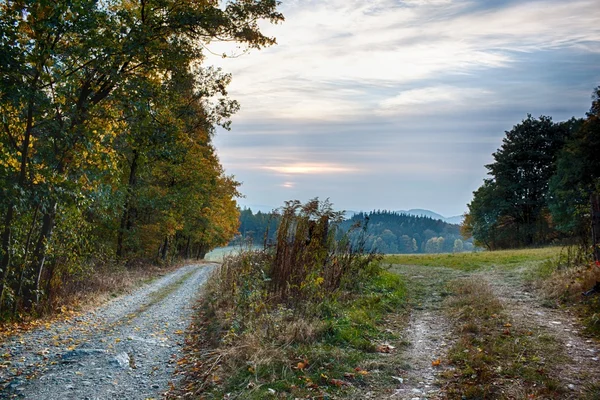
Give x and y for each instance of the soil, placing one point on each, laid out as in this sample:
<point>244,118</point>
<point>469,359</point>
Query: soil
<point>581,365</point>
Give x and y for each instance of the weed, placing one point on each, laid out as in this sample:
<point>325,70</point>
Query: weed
<point>297,319</point>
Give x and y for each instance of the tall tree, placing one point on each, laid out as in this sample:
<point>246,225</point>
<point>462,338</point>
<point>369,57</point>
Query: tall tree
<point>575,187</point>
<point>510,209</point>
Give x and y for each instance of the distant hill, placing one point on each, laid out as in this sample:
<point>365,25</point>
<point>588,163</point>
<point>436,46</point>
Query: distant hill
<point>413,231</point>
<point>418,212</point>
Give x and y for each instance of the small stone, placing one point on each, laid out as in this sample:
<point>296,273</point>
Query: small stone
<point>155,386</point>
<point>571,386</point>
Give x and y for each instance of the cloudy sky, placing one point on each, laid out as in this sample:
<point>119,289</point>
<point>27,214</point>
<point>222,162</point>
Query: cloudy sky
<point>390,104</point>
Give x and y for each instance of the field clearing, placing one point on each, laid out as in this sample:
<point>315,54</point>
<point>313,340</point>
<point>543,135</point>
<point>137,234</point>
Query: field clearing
<point>217,255</point>
<point>508,259</point>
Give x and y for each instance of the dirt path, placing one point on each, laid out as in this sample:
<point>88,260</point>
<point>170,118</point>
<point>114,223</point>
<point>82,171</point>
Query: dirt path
<point>582,364</point>
<point>428,334</point>
<point>126,349</point>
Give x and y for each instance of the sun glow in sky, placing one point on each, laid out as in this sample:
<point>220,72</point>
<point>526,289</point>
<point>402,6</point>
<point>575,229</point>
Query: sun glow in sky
<point>390,104</point>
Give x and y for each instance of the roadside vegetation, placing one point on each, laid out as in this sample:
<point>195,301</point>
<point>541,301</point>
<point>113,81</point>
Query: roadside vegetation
<point>305,317</point>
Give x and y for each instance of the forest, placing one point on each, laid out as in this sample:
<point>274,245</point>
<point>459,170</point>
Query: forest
<point>543,187</point>
<point>387,232</point>
<point>107,114</point>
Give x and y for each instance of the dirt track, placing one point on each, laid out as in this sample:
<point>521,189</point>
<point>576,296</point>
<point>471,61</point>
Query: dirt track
<point>126,349</point>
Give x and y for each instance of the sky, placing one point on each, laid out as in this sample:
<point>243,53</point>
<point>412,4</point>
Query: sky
<point>390,104</point>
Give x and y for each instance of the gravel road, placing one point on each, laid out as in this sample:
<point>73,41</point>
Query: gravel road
<point>126,349</point>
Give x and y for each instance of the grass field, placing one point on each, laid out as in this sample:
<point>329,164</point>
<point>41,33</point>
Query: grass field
<point>220,252</point>
<point>478,260</point>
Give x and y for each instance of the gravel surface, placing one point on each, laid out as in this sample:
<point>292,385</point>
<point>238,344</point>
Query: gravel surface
<point>126,349</point>
<point>428,334</point>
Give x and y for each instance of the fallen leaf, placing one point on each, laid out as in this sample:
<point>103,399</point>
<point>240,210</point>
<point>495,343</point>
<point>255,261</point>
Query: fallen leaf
<point>338,382</point>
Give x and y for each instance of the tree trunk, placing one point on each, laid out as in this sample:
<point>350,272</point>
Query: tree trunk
<point>595,203</point>
<point>165,249</point>
<point>25,261</point>
<point>8,219</point>
<point>187,247</point>
<point>128,210</point>
<point>39,255</point>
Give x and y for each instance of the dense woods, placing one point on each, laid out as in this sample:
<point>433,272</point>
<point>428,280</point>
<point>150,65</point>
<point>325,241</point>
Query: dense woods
<point>107,114</point>
<point>386,232</point>
<point>544,185</point>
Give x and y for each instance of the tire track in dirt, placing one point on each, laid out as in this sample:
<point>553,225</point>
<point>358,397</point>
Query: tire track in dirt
<point>582,366</point>
<point>428,334</point>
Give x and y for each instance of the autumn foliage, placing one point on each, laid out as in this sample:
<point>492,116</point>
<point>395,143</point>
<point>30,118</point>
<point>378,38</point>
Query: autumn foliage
<point>107,116</point>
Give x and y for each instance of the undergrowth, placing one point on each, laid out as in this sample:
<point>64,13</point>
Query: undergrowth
<point>301,318</point>
<point>494,357</point>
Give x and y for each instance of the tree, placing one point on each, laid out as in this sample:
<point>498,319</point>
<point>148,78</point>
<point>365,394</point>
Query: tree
<point>575,187</point>
<point>458,246</point>
<point>510,209</point>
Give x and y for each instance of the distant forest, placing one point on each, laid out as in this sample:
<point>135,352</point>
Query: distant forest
<point>387,232</point>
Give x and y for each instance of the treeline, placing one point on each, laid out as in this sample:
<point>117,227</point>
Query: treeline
<point>256,228</point>
<point>107,116</point>
<point>544,184</point>
<point>387,232</point>
<point>392,233</point>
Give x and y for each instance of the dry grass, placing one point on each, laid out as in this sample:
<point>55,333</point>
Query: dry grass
<point>567,285</point>
<point>245,343</point>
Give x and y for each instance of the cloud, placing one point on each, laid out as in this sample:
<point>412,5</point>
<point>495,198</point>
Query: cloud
<point>415,91</point>
<point>308,169</point>
<point>444,98</point>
